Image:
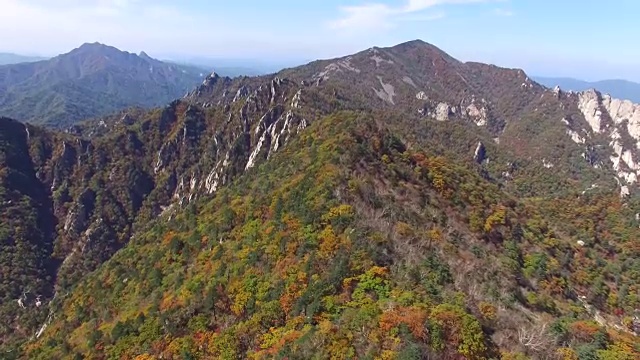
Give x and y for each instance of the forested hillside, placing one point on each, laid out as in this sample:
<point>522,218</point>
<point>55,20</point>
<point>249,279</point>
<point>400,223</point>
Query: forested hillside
<point>91,81</point>
<point>393,204</point>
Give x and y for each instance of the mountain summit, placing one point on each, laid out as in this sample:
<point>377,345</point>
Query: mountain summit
<point>90,81</point>
<point>395,204</point>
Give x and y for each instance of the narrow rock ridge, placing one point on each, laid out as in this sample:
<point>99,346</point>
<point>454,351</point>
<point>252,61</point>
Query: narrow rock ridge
<point>616,120</point>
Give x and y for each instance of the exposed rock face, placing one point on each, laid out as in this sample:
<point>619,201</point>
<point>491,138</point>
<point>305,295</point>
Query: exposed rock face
<point>478,114</point>
<point>480,154</point>
<point>619,121</point>
<point>475,112</point>
<point>589,103</point>
<point>377,58</point>
<point>79,214</point>
<point>624,110</point>
<point>386,93</point>
<point>443,110</point>
<point>97,187</point>
<point>409,81</point>
<point>241,93</point>
<point>340,66</point>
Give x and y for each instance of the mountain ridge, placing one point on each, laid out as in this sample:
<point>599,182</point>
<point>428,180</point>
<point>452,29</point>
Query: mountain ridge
<point>383,187</point>
<point>90,81</point>
<point>11,58</point>
<point>617,88</point>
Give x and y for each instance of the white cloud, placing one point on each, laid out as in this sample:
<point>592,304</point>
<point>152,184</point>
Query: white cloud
<point>503,12</point>
<point>49,27</point>
<point>418,5</point>
<point>364,16</point>
<point>422,17</point>
<point>381,16</point>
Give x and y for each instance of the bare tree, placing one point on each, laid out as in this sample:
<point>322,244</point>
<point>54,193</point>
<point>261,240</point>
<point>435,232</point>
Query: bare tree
<point>535,337</point>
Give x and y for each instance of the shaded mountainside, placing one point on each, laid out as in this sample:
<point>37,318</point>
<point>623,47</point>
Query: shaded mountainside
<point>92,80</point>
<point>396,203</point>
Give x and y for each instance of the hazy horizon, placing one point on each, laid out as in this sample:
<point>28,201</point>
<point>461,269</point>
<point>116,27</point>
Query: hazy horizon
<point>508,33</point>
<point>271,65</point>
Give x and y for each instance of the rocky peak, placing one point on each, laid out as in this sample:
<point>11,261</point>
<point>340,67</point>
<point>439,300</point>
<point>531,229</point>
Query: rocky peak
<point>143,55</point>
<point>211,79</point>
<point>96,49</point>
<point>590,103</point>
<point>211,85</point>
<point>421,49</point>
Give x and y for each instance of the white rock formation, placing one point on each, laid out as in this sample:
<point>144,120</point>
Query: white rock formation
<point>620,110</point>
<point>346,64</point>
<point>295,102</point>
<point>409,81</point>
<point>386,93</point>
<point>336,67</point>
<point>588,103</point>
<point>479,115</point>
<point>442,112</point>
<point>624,191</point>
<point>377,58</point>
<point>422,96</point>
<point>624,115</point>
<point>480,154</point>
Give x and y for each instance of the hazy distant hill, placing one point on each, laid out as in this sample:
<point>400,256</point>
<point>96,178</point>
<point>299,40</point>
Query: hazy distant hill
<point>8,58</point>
<point>229,70</point>
<point>621,89</point>
<point>92,80</point>
<point>236,67</point>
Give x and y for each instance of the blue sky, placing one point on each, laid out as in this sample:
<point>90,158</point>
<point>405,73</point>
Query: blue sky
<point>587,39</point>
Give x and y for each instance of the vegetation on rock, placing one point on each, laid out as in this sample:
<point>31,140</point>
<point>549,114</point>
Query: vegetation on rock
<point>295,217</point>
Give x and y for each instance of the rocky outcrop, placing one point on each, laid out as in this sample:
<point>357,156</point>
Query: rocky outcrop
<point>478,113</point>
<point>386,93</point>
<point>80,212</point>
<point>619,122</point>
<point>470,110</point>
<point>480,154</point>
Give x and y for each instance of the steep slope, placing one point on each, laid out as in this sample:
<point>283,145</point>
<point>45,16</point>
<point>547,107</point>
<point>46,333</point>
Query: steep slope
<point>94,192</point>
<point>345,244</point>
<point>432,156</point>
<point>621,89</point>
<point>26,236</point>
<point>521,125</point>
<point>90,81</point>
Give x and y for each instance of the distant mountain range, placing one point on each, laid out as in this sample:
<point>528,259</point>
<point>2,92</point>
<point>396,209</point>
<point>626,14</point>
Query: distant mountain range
<point>621,89</point>
<point>90,81</point>
<point>231,71</point>
<point>395,203</point>
<point>235,67</point>
<point>9,58</point>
